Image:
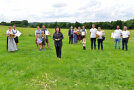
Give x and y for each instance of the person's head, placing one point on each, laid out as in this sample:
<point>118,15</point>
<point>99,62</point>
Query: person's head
<point>83,27</point>
<point>38,36</point>
<point>43,26</point>
<point>118,27</point>
<point>125,28</point>
<point>14,26</point>
<point>99,28</point>
<point>71,27</point>
<point>9,27</point>
<point>75,29</point>
<point>79,28</point>
<point>38,28</point>
<point>57,29</point>
<point>93,25</point>
<point>84,40</point>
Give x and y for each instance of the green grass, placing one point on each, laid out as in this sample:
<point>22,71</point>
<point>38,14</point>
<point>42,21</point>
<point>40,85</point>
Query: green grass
<point>29,68</point>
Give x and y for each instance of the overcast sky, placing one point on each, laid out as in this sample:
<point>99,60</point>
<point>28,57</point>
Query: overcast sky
<point>66,10</point>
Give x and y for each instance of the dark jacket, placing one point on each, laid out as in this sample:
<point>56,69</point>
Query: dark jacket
<point>58,36</point>
<point>70,34</point>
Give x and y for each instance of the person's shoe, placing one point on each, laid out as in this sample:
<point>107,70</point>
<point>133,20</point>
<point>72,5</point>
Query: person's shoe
<point>40,49</point>
<point>43,49</point>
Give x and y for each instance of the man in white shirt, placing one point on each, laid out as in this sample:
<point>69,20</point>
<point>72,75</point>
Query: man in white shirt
<point>14,32</point>
<point>93,32</point>
<point>125,37</point>
<point>117,34</point>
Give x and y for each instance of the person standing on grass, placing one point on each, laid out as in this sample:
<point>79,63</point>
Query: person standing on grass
<point>79,34</point>
<point>75,36</point>
<point>70,34</point>
<point>57,37</point>
<point>84,43</point>
<point>45,40</point>
<point>11,45</point>
<point>100,38</point>
<point>93,32</point>
<point>16,38</point>
<point>37,32</point>
<point>125,37</point>
<point>117,34</point>
<point>84,32</point>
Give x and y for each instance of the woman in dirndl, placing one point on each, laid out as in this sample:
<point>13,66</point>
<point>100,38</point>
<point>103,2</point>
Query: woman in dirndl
<point>75,35</point>
<point>11,45</point>
<point>79,34</point>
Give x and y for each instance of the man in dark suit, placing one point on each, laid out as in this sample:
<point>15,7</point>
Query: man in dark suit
<point>70,34</point>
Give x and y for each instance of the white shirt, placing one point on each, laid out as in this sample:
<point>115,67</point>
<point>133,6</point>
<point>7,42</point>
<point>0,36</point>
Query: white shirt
<point>9,32</point>
<point>117,33</point>
<point>14,31</point>
<point>100,33</point>
<point>125,34</point>
<point>93,32</point>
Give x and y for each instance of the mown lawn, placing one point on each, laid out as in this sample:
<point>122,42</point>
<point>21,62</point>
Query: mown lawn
<point>31,69</point>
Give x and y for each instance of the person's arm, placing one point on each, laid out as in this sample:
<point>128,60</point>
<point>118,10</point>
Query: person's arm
<point>7,34</point>
<point>128,35</point>
<point>86,31</point>
<point>48,33</point>
<point>35,36</point>
<point>68,32</point>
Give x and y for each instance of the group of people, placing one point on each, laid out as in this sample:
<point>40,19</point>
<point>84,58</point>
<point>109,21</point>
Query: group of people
<point>41,37</point>
<point>99,35</point>
<point>125,37</point>
<point>80,34</point>
<point>75,35</point>
<point>12,39</point>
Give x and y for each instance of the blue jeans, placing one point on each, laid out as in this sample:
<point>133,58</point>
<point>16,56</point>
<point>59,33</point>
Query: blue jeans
<point>117,40</point>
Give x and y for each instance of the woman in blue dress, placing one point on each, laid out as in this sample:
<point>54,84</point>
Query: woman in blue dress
<point>75,35</point>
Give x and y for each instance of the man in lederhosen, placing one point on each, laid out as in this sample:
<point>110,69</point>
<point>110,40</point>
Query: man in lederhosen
<point>45,40</point>
<point>14,32</point>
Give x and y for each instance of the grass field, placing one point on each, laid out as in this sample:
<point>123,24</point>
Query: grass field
<point>31,69</point>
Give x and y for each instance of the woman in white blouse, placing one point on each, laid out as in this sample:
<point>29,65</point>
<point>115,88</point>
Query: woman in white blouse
<point>11,45</point>
<point>125,37</point>
<point>100,35</point>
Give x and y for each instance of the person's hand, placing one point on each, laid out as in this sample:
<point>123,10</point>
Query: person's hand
<point>58,39</point>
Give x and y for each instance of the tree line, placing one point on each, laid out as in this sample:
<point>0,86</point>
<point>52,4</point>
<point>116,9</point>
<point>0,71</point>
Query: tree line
<point>104,25</point>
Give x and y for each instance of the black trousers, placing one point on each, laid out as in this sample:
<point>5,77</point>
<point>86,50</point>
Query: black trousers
<point>70,40</point>
<point>16,40</point>
<point>93,41</point>
<point>58,51</point>
<point>124,43</point>
<point>100,43</point>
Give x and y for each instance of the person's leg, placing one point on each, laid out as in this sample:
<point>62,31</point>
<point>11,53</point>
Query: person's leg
<point>126,42</point>
<point>69,39</point>
<point>47,42</point>
<point>119,42</point>
<point>95,43</point>
<point>101,44</point>
<point>44,44</point>
<point>57,51</point>
<point>91,43</point>
<point>122,43</point>
<point>115,40</point>
<point>40,46</point>
<point>98,44</point>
